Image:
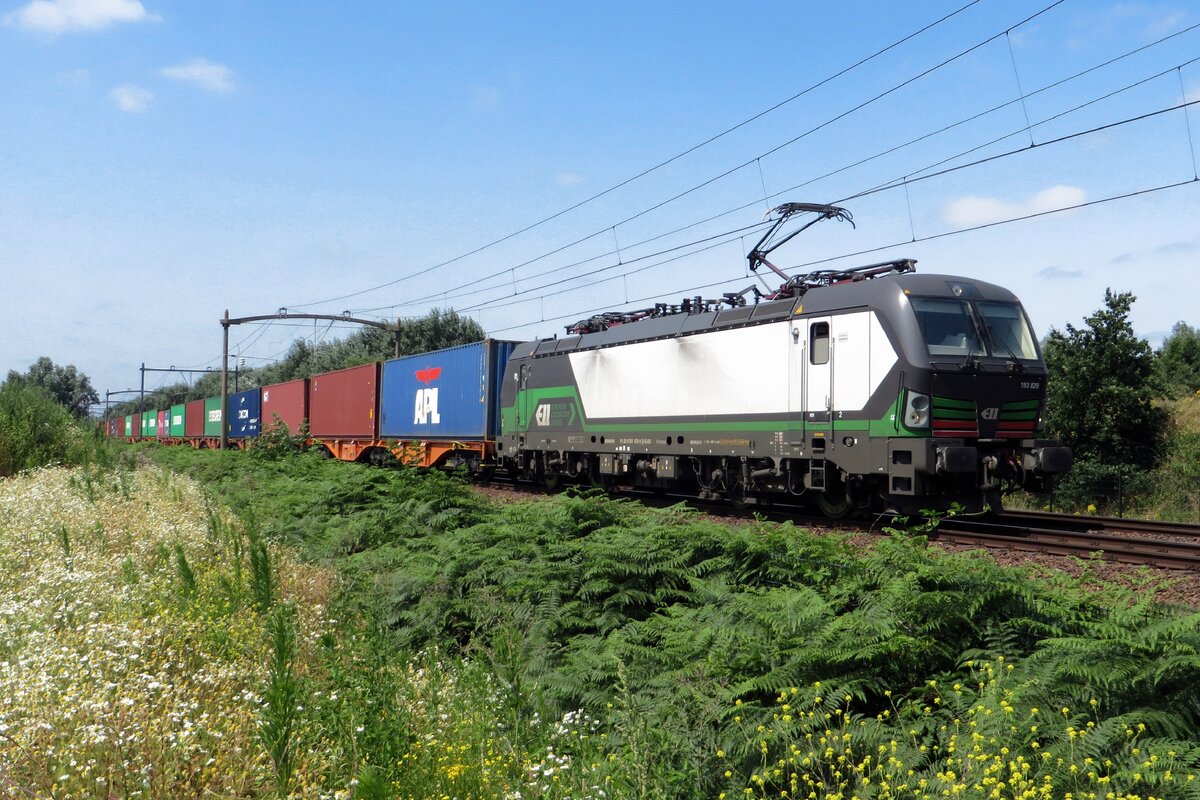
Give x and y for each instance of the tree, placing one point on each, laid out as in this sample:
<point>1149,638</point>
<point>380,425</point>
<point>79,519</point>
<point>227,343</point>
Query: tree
<point>66,385</point>
<point>1177,363</point>
<point>1100,389</point>
<point>436,330</point>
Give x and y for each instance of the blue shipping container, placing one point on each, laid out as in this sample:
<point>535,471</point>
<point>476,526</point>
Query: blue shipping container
<point>446,394</point>
<point>245,411</point>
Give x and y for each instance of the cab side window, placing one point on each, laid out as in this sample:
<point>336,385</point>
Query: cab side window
<point>818,343</point>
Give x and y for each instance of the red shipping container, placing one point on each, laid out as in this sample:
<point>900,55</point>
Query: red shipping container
<point>343,404</point>
<point>164,424</point>
<point>287,400</point>
<point>193,419</point>
<point>137,425</point>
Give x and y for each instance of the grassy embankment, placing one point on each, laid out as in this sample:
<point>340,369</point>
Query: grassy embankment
<point>1176,492</point>
<point>384,633</point>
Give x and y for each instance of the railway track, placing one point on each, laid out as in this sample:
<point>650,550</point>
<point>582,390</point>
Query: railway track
<point>1165,545</point>
<point>1091,523</point>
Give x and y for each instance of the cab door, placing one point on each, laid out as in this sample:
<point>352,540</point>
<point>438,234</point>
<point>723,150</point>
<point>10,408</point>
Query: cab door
<point>524,412</point>
<point>818,369</point>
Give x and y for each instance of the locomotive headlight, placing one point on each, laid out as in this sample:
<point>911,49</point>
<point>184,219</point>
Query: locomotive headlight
<point>916,411</point>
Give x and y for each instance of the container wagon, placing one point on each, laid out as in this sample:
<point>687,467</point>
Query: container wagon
<point>443,408</point>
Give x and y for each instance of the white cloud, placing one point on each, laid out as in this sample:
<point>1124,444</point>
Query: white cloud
<point>568,178</point>
<point>57,16</point>
<point>132,98</point>
<point>202,73</point>
<point>969,211</point>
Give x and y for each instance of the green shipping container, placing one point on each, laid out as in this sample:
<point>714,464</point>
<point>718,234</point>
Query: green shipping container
<point>128,425</point>
<point>177,415</point>
<point>212,416</point>
<point>145,426</point>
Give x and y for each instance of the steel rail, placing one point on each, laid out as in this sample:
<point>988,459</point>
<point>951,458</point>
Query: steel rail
<point>1080,522</point>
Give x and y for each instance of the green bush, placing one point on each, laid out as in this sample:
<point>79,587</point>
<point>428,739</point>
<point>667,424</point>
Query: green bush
<point>34,430</point>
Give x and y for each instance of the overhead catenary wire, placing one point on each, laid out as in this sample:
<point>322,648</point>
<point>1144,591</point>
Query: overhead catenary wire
<point>672,159</point>
<point>1068,137</point>
<point>914,239</point>
<point>1188,123</point>
<point>923,173</point>
<point>723,239</point>
<point>736,233</point>
<point>509,271</point>
<point>905,183</point>
<point>911,178</point>
<point>945,234</point>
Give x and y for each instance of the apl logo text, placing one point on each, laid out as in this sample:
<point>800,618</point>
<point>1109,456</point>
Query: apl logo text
<point>426,403</point>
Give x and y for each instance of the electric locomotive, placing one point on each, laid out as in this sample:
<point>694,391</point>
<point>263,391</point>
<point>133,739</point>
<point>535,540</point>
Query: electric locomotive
<point>868,389</point>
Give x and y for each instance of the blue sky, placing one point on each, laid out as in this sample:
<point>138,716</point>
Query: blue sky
<point>163,161</point>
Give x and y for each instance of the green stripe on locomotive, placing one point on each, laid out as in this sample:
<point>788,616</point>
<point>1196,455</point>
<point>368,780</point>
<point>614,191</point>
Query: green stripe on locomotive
<point>529,399</point>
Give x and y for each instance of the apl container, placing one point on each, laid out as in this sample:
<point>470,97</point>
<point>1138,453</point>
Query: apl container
<point>447,394</point>
<point>212,417</point>
<point>341,404</point>
<point>245,411</point>
<point>286,403</point>
<point>193,419</point>
<point>177,426</point>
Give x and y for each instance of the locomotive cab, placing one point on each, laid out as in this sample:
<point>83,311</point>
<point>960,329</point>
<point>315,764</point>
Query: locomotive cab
<point>976,389</point>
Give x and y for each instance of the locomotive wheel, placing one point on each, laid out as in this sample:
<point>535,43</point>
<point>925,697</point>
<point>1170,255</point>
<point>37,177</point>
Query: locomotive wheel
<point>833,503</point>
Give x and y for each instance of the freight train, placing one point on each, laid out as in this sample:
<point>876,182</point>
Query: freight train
<point>872,389</point>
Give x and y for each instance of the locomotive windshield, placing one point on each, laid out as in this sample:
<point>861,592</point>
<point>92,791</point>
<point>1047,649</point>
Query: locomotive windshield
<point>963,328</point>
